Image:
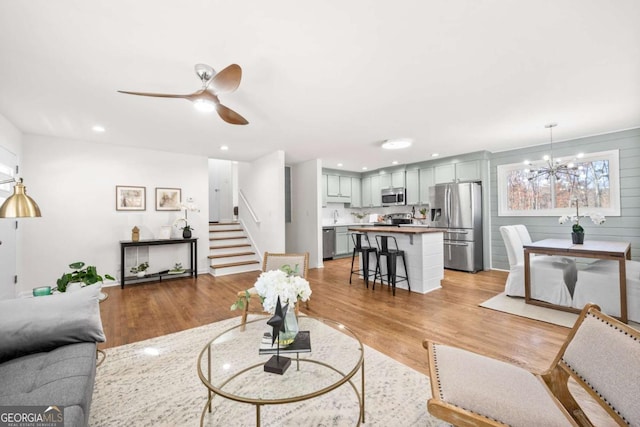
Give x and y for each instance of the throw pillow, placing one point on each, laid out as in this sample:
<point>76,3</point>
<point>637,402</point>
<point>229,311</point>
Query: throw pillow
<point>31,325</point>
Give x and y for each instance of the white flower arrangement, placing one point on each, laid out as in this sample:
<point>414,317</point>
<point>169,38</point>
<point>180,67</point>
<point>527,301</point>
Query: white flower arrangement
<point>277,283</point>
<point>596,218</point>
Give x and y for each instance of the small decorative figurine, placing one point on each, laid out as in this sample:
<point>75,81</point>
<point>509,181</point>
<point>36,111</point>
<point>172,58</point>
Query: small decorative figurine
<point>135,234</point>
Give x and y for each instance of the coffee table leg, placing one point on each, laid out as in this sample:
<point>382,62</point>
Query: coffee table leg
<point>362,408</point>
<point>258,415</point>
<point>209,375</point>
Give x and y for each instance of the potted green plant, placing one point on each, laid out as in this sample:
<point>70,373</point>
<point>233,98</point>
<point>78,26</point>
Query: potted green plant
<point>423,212</point>
<point>81,275</point>
<point>140,269</point>
<point>186,229</point>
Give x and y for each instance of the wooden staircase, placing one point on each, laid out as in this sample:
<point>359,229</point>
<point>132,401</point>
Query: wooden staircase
<point>230,251</point>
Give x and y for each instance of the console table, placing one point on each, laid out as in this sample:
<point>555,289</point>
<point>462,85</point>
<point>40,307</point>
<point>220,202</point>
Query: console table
<point>193,262</point>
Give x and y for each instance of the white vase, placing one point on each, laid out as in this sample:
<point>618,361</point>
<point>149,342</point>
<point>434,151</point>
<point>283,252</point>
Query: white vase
<point>140,274</point>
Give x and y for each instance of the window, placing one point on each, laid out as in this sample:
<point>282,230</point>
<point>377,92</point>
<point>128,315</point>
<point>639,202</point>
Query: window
<point>595,185</point>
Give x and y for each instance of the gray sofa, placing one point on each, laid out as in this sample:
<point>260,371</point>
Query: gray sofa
<point>48,352</point>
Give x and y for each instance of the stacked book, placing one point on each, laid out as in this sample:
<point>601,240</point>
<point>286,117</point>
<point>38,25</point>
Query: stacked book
<point>301,344</point>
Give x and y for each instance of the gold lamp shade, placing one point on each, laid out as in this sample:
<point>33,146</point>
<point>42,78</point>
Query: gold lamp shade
<point>19,205</point>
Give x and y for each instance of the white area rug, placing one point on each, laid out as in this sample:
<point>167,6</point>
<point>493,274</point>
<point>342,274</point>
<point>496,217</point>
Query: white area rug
<point>136,388</point>
<point>517,306</point>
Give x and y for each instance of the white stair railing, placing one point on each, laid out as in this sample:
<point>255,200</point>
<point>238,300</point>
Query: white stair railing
<point>249,208</point>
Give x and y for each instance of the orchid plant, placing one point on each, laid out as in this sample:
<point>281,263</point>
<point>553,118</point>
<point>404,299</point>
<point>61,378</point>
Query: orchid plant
<point>596,218</point>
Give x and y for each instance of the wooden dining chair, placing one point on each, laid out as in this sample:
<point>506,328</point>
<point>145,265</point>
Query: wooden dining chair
<point>297,263</point>
<point>601,354</point>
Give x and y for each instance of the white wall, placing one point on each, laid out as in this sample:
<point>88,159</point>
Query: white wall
<point>304,232</point>
<point>262,182</point>
<point>74,184</point>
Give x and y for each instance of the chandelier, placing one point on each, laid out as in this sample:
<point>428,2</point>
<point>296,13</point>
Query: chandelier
<point>552,167</point>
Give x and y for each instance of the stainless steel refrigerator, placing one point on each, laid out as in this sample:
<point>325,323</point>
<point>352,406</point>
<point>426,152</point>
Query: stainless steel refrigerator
<point>458,208</point>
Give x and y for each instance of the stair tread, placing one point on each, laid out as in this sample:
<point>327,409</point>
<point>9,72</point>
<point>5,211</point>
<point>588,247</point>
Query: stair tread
<point>242,245</point>
<point>234,264</point>
<point>225,230</point>
<point>228,238</point>
<point>232,254</point>
<point>224,223</point>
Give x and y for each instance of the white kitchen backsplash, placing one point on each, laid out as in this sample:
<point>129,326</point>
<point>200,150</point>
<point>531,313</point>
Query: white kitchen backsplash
<point>344,214</point>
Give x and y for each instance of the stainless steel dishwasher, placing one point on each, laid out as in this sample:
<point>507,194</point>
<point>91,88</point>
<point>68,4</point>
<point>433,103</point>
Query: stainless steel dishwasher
<point>328,242</point>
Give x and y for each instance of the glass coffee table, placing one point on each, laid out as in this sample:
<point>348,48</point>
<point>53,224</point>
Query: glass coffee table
<point>231,367</point>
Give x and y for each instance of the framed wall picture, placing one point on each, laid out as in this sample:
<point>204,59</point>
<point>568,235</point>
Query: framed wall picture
<point>131,198</point>
<point>168,199</point>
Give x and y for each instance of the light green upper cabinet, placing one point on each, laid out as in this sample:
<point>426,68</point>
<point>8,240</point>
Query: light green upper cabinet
<point>384,180</point>
<point>366,192</point>
<point>413,187</point>
<point>427,180</point>
<point>468,171</point>
<point>397,179</point>
<point>462,171</point>
<point>338,188</point>
<point>356,193</point>
<point>376,196</point>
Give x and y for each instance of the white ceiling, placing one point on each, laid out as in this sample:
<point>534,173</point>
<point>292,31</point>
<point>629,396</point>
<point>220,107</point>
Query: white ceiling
<point>327,79</point>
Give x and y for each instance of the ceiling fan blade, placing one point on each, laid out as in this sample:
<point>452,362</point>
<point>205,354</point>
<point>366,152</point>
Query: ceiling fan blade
<point>158,95</point>
<point>230,116</point>
<point>226,80</point>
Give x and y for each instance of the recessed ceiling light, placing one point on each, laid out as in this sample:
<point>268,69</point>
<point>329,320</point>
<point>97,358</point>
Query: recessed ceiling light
<point>395,162</point>
<point>364,168</point>
<point>396,144</point>
<point>435,154</point>
<point>98,128</point>
<point>224,147</point>
<point>339,165</point>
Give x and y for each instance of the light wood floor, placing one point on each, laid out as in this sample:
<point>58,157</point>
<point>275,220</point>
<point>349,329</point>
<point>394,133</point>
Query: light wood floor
<point>395,326</point>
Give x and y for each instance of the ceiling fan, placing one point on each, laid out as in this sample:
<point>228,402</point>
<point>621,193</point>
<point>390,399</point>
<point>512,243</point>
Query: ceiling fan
<point>213,84</point>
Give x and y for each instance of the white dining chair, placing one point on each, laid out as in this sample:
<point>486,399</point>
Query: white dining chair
<point>552,278</point>
<point>597,283</point>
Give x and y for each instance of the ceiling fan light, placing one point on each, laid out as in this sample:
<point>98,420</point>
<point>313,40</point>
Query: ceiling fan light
<point>204,105</point>
<point>396,144</point>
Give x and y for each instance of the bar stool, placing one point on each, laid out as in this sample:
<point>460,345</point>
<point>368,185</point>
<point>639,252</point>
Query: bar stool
<point>362,246</point>
<point>392,253</point>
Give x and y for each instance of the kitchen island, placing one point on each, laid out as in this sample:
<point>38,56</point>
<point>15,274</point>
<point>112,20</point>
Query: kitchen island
<point>423,249</point>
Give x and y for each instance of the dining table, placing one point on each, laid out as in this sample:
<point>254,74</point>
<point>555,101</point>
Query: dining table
<point>617,251</point>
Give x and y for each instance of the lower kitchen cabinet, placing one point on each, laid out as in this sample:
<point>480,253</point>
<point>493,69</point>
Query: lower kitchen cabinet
<point>344,246</point>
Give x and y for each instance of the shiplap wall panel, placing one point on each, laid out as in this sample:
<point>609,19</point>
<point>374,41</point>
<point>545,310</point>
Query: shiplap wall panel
<point>622,228</point>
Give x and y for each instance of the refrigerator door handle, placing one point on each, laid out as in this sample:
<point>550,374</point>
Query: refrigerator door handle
<point>455,244</point>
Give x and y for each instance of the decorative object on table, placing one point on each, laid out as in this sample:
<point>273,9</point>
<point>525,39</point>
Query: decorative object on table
<point>41,291</point>
<point>276,364</point>
<point>18,205</point>
<point>283,284</point>
<point>186,228</point>
<point>168,199</point>
<point>577,235</point>
<point>302,344</point>
<point>165,232</point>
<point>423,212</point>
<point>360,215</point>
<point>135,234</point>
<point>140,270</point>
<point>130,198</point>
<point>177,269</point>
<point>81,275</point>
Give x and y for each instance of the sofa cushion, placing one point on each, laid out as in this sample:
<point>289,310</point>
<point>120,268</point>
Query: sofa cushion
<point>63,377</point>
<point>31,325</point>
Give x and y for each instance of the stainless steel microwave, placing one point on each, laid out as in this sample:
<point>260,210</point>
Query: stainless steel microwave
<point>393,197</point>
